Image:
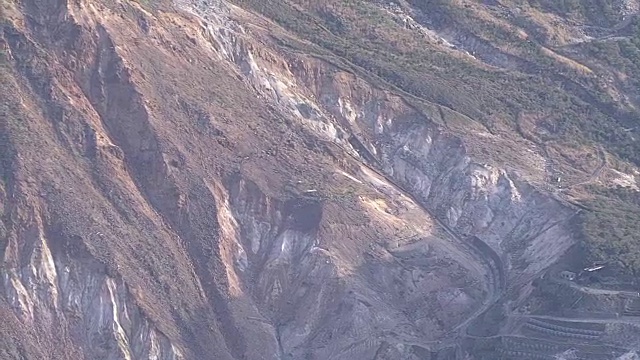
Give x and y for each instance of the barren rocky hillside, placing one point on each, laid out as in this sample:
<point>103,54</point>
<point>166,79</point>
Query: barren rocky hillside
<point>297,179</point>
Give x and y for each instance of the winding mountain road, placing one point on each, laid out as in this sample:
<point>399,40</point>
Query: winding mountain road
<point>635,320</point>
<point>598,291</point>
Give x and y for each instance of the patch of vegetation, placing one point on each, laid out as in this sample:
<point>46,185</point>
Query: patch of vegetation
<point>612,229</point>
<point>580,111</point>
<point>144,3</point>
<point>153,5</point>
<point>7,116</point>
<point>7,152</point>
<point>622,55</point>
<point>596,12</point>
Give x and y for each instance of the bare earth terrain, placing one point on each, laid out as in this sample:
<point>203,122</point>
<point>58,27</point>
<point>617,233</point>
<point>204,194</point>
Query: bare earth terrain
<point>288,180</point>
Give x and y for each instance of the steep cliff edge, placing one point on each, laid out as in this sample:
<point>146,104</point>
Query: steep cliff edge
<point>194,181</point>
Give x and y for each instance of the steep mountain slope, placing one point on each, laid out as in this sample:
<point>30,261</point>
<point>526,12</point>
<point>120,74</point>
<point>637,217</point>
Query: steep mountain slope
<point>304,180</point>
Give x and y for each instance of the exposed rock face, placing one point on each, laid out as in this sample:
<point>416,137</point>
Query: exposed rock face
<point>431,163</point>
<point>146,231</point>
<point>178,186</point>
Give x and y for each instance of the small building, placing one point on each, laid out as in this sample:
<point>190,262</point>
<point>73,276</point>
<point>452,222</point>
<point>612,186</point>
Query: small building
<point>568,275</point>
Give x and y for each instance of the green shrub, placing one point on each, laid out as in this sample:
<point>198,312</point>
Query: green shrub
<point>612,228</point>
